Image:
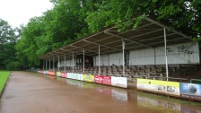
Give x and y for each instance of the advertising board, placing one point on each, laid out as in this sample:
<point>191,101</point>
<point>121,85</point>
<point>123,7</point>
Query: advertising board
<point>100,79</point>
<point>64,75</point>
<point>58,73</point>
<point>46,72</point>
<point>75,76</point>
<point>88,78</point>
<point>119,82</point>
<point>51,73</point>
<point>157,86</point>
<point>190,90</point>
<point>41,72</point>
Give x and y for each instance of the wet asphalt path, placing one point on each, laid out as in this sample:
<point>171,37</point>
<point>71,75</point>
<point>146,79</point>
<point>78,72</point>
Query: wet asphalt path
<point>34,93</point>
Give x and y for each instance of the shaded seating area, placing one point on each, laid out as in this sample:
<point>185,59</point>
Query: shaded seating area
<point>137,71</point>
<point>153,50</point>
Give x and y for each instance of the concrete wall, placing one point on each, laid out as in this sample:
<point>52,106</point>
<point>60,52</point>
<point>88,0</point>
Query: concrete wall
<point>186,53</point>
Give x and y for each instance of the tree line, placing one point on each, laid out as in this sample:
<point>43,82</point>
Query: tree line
<point>69,20</point>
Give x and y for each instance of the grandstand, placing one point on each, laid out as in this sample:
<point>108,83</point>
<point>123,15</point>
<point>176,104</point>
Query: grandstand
<point>151,50</point>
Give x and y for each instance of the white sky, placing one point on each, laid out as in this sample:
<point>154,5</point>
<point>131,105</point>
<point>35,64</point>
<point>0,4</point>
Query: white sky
<point>17,12</point>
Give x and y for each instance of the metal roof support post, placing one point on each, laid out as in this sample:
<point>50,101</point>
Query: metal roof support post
<point>58,64</point>
<point>53,64</point>
<point>49,63</point>
<point>43,65</point>
<point>65,63</point>
<point>166,63</point>
<point>123,63</point>
<point>83,65</point>
<point>46,64</point>
<point>154,56</point>
<point>99,69</point>
<point>73,62</point>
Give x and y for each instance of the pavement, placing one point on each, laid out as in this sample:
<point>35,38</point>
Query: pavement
<point>28,92</point>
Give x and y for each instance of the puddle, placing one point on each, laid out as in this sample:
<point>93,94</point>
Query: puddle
<point>128,97</point>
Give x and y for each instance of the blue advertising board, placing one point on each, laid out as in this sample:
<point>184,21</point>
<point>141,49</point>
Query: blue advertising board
<point>189,90</point>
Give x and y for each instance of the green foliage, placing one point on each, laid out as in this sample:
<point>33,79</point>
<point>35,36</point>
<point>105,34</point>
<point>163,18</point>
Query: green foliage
<point>70,20</point>
<point>8,40</point>
<point>3,79</point>
<point>56,28</point>
<point>180,14</point>
<point>7,34</point>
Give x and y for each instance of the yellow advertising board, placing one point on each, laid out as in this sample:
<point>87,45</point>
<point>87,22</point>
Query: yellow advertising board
<point>88,78</point>
<point>58,73</point>
<point>158,86</point>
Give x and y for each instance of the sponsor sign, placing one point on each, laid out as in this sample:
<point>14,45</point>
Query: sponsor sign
<point>157,86</point>
<point>75,76</point>
<point>51,73</point>
<point>46,72</point>
<point>189,90</point>
<point>119,82</point>
<point>63,74</point>
<point>58,73</point>
<point>100,79</point>
<point>88,78</point>
<point>42,72</point>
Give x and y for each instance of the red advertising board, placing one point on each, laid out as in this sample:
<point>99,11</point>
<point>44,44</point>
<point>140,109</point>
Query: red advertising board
<point>100,79</point>
<point>51,73</point>
<point>42,72</point>
<point>106,80</point>
<point>63,74</point>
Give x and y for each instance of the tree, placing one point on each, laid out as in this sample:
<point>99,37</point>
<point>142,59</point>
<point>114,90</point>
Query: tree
<point>56,28</point>
<point>65,22</point>
<point>7,46</point>
<point>7,34</point>
<point>180,14</point>
<point>70,20</point>
<point>27,46</point>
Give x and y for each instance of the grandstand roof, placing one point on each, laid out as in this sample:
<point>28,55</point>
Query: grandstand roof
<point>150,34</point>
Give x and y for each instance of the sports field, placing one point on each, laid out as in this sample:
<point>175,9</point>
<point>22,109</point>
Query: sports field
<point>3,78</point>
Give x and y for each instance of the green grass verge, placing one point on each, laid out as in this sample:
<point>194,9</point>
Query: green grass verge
<point>3,78</point>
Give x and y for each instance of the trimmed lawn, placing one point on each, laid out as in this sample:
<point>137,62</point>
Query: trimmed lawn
<point>3,78</point>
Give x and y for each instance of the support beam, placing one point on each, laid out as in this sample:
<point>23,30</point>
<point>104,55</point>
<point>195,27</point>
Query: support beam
<point>82,48</point>
<point>49,63</point>
<point>83,65</point>
<point>159,24</point>
<point>58,64</point>
<point>46,64</point>
<point>115,35</point>
<point>101,45</point>
<point>73,57</point>
<point>99,69</point>
<point>166,63</point>
<point>53,64</point>
<point>123,50</point>
<point>65,63</point>
<point>43,65</point>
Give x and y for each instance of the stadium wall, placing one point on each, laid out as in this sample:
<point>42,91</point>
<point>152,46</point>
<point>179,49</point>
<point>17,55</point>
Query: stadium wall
<point>185,53</point>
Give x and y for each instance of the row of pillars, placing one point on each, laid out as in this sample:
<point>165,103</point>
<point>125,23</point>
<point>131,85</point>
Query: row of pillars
<point>99,52</point>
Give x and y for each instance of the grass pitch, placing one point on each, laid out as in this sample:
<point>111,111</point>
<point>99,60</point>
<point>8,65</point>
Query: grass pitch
<point>3,78</point>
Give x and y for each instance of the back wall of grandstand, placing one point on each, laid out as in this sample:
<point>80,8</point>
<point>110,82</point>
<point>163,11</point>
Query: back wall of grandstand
<point>185,53</point>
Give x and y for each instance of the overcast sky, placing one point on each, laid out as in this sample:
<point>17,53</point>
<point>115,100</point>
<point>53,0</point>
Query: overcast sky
<point>17,12</point>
